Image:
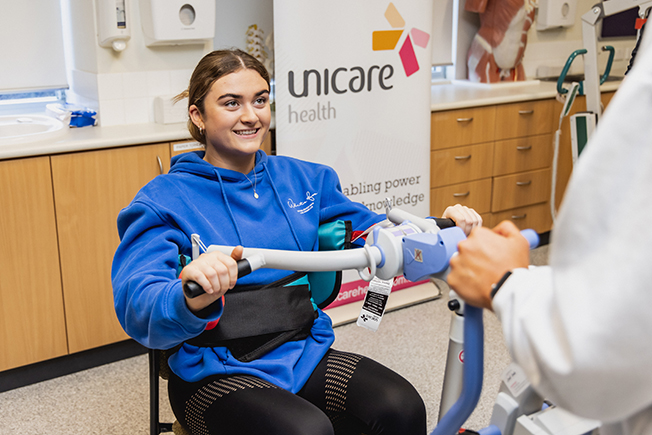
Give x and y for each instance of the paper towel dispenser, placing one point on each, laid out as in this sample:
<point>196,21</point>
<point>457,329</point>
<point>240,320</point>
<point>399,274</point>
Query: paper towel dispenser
<point>176,22</point>
<point>556,13</point>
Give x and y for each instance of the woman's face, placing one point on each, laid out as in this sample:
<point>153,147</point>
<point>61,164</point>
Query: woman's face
<point>236,119</point>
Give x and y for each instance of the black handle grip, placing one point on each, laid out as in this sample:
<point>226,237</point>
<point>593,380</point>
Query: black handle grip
<point>444,222</point>
<point>192,289</point>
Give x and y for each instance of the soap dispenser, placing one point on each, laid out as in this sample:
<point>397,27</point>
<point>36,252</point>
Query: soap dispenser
<point>112,26</point>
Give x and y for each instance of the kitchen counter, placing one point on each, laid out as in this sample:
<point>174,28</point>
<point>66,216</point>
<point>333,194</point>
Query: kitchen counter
<point>460,96</point>
<point>90,138</point>
<point>443,97</point>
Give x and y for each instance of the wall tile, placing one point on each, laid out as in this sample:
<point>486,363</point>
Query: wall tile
<point>112,112</point>
<point>135,84</point>
<point>110,86</point>
<point>136,110</point>
<point>179,80</point>
<point>158,83</point>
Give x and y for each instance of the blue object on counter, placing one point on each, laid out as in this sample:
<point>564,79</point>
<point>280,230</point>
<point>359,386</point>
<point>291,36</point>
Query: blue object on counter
<point>70,114</point>
<point>83,118</point>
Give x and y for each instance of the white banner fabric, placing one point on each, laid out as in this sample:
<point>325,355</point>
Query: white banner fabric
<point>353,92</point>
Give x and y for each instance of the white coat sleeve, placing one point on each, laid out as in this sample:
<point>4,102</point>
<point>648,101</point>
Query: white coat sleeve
<point>581,328</point>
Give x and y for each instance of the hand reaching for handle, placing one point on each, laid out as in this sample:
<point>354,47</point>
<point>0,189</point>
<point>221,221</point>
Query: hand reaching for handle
<point>215,272</point>
<point>466,218</point>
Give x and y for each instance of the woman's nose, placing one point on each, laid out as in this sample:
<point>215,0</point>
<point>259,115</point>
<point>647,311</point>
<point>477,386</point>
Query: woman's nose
<point>248,114</point>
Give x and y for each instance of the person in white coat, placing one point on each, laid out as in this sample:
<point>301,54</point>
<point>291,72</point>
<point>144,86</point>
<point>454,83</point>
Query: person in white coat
<point>581,328</point>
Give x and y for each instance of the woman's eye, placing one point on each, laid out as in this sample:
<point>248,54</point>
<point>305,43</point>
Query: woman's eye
<point>261,101</point>
<point>231,104</point>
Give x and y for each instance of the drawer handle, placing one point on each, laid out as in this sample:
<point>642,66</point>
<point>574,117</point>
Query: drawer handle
<point>465,119</point>
<point>525,112</point>
<point>463,157</point>
<point>524,183</point>
<point>461,195</point>
<point>524,148</point>
<point>520,216</point>
<point>160,164</point>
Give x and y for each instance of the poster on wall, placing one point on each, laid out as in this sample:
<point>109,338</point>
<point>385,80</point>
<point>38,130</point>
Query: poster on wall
<point>353,92</point>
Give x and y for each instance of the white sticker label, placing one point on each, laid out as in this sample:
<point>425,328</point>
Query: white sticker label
<point>515,380</point>
<point>374,303</point>
<point>186,146</point>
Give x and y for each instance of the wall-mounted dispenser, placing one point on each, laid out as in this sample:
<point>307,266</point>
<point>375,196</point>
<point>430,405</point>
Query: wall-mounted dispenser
<point>175,22</point>
<point>112,24</point>
<point>556,13</point>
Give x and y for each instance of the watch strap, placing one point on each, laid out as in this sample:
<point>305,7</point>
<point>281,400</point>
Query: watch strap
<point>495,287</point>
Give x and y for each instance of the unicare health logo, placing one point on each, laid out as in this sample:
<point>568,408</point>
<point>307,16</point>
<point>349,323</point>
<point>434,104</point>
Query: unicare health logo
<point>388,40</point>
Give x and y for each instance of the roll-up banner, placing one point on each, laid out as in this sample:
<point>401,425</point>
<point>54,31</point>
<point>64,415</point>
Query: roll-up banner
<point>353,92</point>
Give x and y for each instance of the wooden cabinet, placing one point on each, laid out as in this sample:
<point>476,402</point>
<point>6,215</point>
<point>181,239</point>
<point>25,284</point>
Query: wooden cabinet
<point>462,127</point>
<point>522,162</point>
<point>90,189</point>
<point>495,159</point>
<point>32,325</point>
<point>523,119</point>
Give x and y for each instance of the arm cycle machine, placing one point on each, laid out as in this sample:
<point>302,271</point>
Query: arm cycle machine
<point>421,248</point>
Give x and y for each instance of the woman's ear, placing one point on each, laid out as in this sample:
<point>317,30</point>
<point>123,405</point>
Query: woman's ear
<point>195,116</point>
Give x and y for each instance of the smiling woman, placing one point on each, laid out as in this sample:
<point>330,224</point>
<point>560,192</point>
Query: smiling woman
<point>235,119</point>
<point>269,378</point>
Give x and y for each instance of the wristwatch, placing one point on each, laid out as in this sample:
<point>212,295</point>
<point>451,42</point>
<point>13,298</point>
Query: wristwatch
<point>495,287</point>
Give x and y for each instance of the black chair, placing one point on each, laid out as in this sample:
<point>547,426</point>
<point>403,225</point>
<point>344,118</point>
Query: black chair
<point>155,426</point>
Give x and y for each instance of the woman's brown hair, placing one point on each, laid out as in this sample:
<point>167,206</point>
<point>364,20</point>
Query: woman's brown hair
<point>210,68</point>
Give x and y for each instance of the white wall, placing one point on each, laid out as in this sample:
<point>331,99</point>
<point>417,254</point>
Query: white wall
<point>545,49</point>
<point>122,86</point>
<point>552,47</point>
<point>235,16</point>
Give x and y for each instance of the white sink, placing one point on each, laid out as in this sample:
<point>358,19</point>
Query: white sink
<point>18,129</point>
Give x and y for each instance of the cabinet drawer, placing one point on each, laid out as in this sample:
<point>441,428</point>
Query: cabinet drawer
<point>461,164</point>
<point>474,194</point>
<point>526,188</point>
<point>536,217</point>
<point>524,119</point>
<point>522,154</point>
<point>462,127</point>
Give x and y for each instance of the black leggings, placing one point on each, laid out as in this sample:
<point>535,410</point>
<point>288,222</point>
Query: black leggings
<point>346,394</point>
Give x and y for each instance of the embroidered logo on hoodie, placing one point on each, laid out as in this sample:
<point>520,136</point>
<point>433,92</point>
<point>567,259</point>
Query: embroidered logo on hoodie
<point>303,206</point>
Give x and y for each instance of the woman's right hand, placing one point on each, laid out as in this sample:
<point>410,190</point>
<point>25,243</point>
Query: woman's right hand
<point>215,272</point>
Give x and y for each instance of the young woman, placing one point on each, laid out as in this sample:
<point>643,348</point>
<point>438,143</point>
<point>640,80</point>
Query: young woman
<point>235,369</point>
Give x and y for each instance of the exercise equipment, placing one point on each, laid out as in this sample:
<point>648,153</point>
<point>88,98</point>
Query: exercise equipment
<point>418,248</point>
<point>404,244</point>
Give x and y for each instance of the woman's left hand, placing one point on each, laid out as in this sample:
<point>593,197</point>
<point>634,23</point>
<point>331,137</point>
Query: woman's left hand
<point>466,218</point>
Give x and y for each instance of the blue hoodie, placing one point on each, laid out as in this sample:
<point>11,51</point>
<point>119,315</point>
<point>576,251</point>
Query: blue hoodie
<point>218,204</point>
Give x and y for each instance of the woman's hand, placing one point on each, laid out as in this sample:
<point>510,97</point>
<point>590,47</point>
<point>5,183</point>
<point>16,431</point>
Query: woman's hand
<point>482,260</point>
<point>215,272</point>
<point>464,217</point>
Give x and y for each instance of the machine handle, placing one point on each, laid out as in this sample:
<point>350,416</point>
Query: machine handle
<point>532,237</point>
<point>444,222</point>
<point>610,60</point>
<point>192,289</point>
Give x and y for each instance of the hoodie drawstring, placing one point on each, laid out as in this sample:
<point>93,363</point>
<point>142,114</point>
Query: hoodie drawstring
<point>228,207</point>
